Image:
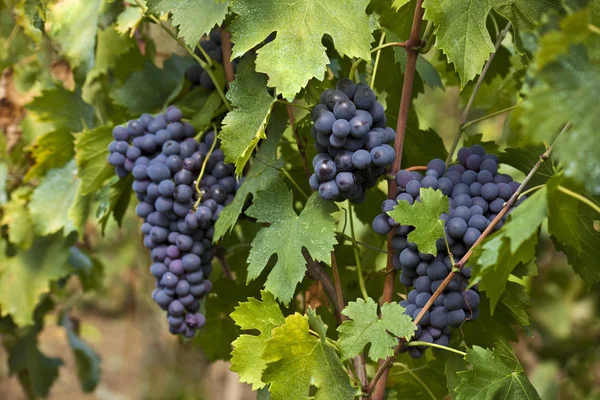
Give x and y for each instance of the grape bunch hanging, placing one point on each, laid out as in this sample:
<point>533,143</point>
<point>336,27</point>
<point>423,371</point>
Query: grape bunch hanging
<point>477,193</point>
<point>166,162</point>
<point>351,140</point>
<point>195,74</point>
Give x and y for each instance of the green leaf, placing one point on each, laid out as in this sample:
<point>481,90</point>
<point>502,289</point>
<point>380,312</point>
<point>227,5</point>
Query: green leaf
<point>129,20</point>
<point>36,372</point>
<point>114,201</point>
<point>424,215</point>
<point>420,147</point>
<point>16,216</point>
<point>245,126</point>
<point>288,233</point>
<point>35,12</point>
<point>74,26</point>
<point>87,361</point>
<point>194,17</point>
<point>89,269</point>
<point>297,54</point>
<point>495,374</point>
<point>27,276</point>
<point>49,151</point>
<point>292,351</point>
<point>91,154</point>
<point>64,109</point>
<point>425,69</point>
<point>524,159</point>
<point>562,215</point>
<point>111,47</point>
<point>566,91</point>
<point>418,379</point>
<point>138,96</point>
<point>246,358</point>
<point>57,202</point>
<point>201,120</point>
<point>365,327</point>
<point>454,364</point>
<point>264,171</point>
<point>461,30</point>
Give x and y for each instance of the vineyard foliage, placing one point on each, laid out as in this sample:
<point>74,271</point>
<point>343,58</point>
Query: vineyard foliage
<point>305,301</point>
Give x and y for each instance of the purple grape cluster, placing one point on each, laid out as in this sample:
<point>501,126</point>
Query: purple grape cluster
<point>212,47</point>
<point>165,161</point>
<point>477,193</point>
<point>351,141</point>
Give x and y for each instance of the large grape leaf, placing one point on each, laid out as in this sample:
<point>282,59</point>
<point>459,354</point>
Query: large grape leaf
<point>15,216</point>
<point>513,244</point>
<point>461,30</point>
<point>149,89</point>
<point>91,153</point>
<point>365,326</point>
<point>51,150</point>
<point>288,233</point>
<point>297,360</point>
<point>35,370</point>
<point>194,17</point>
<point>567,90</point>
<point>424,215</point>
<point>525,158</point>
<point>494,374</point>
<point>245,126</point>
<point>58,203</point>
<point>74,25</point>
<point>562,215</point>
<point>297,54</point>
<point>418,379</point>
<point>27,275</point>
<point>87,361</point>
<point>246,358</point>
<point>264,170</point>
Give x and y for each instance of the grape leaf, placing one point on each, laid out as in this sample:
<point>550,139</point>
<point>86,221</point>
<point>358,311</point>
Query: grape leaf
<point>425,69</point>
<point>27,275</point>
<point>365,327</point>
<point>129,19</point>
<point>425,217</point>
<point>87,361</point>
<point>418,379</point>
<point>91,153</point>
<point>64,109</point>
<point>111,47</point>
<point>35,12</point>
<point>74,26</point>
<point>264,170</point>
<point>57,202</point>
<point>313,229</point>
<point>245,126</point>
<point>524,159</point>
<point>494,374</point>
<point>16,216</point>
<point>461,30</point>
<point>514,243</point>
<point>562,215</point>
<point>49,151</point>
<point>566,91</point>
<point>89,268</point>
<point>420,147</point>
<point>296,55</point>
<point>193,17</point>
<point>454,364</point>
<point>297,360</point>
<point>114,200</point>
<point>35,370</point>
<point>138,96</point>
<point>246,358</point>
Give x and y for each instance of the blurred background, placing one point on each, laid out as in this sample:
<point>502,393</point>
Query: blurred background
<point>141,360</point>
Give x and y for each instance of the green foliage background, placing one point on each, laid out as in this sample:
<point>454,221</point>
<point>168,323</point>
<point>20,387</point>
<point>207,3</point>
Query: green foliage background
<point>70,248</point>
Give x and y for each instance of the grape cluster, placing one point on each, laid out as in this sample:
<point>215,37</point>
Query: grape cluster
<point>196,74</point>
<point>165,161</point>
<point>351,141</point>
<point>477,193</point>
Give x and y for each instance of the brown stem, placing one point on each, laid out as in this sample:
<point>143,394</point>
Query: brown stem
<point>465,114</point>
<point>339,297</point>
<point>507,206</point>
<point>226,52</point>
<point>316,272</point>
<point>417,168</point>
<point>409,77</point>
<point>301,150</point>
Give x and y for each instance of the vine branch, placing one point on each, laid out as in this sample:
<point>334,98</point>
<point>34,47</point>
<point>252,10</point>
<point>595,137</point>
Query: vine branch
<point>378,386</point>
<point>226,52</point>
<point>467,110</point>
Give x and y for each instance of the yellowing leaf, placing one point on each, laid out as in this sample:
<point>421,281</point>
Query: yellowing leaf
<point>297,360</point>
<point>425,217</point>
<point>91,153</point>
<point>365,327</point>
<point>296,55</point>
<point>287,235</point>
<point>246,358</point>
